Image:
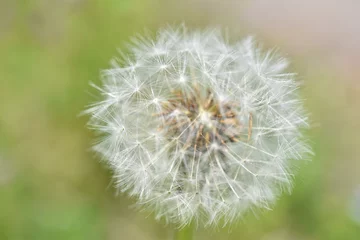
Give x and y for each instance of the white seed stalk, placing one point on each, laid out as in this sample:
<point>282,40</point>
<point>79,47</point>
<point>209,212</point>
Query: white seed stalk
<point>198,129</point>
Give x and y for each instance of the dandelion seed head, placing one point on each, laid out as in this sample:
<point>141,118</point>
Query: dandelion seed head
<point>198,129</point>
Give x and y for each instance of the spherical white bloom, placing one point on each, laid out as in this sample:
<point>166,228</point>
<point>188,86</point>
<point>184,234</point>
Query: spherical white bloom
<point>198,129</point>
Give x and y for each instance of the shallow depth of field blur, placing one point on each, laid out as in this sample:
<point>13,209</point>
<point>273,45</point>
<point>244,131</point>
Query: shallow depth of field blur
<point>53,187</point>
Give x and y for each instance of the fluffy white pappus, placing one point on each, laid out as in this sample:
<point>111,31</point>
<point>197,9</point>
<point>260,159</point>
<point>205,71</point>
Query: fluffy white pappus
<point>198,129</point>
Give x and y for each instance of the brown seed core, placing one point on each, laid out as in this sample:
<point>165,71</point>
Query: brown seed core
<point>199,120</point>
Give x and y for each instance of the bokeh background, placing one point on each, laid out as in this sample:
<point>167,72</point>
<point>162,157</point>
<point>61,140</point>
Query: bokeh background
<point>53,187</point>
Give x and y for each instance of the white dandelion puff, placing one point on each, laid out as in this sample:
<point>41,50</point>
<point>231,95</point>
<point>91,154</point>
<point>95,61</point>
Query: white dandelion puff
<point>198,129</point>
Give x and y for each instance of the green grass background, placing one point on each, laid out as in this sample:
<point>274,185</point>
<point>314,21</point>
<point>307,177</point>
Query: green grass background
<point>53,187</point>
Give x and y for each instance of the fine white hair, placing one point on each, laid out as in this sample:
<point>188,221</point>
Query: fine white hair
<point>152,142</point>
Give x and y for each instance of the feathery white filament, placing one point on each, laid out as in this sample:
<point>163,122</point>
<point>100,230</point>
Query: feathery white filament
<point>197,128</point>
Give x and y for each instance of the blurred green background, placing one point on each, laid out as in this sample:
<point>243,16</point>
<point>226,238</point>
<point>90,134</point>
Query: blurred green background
<point>53,187</point>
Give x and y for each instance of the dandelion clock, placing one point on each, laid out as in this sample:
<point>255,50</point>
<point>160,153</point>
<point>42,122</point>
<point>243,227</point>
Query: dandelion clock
<point>199,130</point>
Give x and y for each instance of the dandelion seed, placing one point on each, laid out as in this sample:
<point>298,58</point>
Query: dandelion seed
<point>199,129</point>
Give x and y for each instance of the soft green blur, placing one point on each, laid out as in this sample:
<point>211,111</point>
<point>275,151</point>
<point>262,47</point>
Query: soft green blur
<point>53,187</point>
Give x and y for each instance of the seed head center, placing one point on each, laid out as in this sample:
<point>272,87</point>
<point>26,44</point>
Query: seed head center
<point>198,120</point>
<point>205,118</point>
